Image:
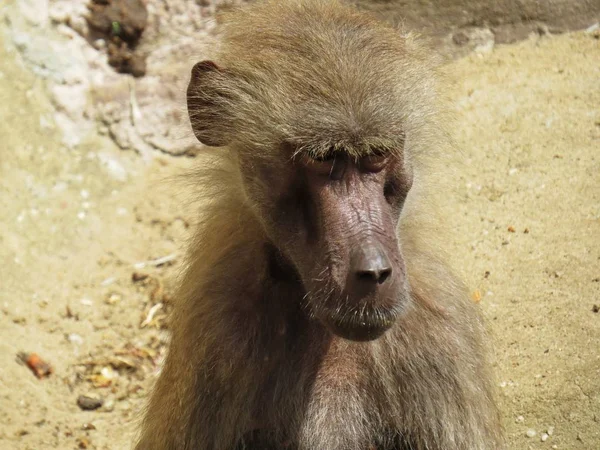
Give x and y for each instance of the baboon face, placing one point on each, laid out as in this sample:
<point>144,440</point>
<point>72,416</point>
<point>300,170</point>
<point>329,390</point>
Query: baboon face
<point>330,207</point>
<point>337,222</point>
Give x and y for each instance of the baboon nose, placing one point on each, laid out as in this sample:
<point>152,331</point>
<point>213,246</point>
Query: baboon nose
<point>370,264</point>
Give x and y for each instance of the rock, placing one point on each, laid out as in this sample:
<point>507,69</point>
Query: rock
<point>125,19</point>
<point>34,11</point>
<point>70,99</point>
<point>124,60</point>
<point>83,443</point>
<point>109,406</point>
<point>89,403</point>
<point>481,40</point>
<point>74,338</point>
<point>121,24</point>
<point>460,38</point>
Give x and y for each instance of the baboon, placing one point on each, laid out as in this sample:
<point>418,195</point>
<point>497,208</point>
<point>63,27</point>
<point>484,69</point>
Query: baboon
<point>312,314</point>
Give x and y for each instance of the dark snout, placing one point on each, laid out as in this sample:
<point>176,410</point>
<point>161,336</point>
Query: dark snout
<point>373,293</point>
<point>361,279</point>
<point>370,268</point>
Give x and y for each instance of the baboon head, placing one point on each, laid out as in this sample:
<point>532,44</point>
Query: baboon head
<point>320,136</point>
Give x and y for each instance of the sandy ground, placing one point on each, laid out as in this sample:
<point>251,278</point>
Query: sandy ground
<point>525,209</point>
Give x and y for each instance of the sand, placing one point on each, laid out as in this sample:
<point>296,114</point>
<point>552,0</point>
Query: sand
<point>524,207</point>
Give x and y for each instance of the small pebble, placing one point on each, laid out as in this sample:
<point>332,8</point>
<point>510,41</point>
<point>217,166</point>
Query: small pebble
<point>74,338</point>
<point>108,406</point>
<point>37,365</point>
<point>113,298</point>
<point>108,281</point>
<point>520,419</point>
<point>138,276</point>
<point>99,44</point>
<point>89,403</point>
<point>544,437</point>
<point>530,433</point>
<point>108,373</point>
<point>550,431</point>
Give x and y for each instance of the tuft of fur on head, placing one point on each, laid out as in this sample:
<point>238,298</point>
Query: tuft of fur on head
<point>306,69</point>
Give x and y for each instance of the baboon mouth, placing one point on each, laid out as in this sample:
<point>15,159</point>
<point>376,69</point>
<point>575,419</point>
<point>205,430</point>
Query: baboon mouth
<point>366,326</point>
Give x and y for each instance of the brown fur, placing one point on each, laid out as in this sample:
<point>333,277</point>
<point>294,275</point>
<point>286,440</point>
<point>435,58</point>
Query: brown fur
<point>245,353</point>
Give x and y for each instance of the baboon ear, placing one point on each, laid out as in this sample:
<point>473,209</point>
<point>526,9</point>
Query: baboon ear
<point>206,104</point>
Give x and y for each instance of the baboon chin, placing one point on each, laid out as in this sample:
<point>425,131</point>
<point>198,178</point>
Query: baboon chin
<point>312,315</point>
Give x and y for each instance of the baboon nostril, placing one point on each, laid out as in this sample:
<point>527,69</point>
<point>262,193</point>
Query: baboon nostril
<point>384,275</point>
<point>374,275</point>
<point>370,264</point>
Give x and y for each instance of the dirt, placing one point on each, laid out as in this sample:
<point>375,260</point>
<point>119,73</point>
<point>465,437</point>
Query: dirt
<point>508,21</point>
<point>527,206</point>
<point>121,24</point>
<point>79,227</point>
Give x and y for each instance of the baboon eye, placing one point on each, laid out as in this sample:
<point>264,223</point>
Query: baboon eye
<point>323,164</point>
<point>374,162</point>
